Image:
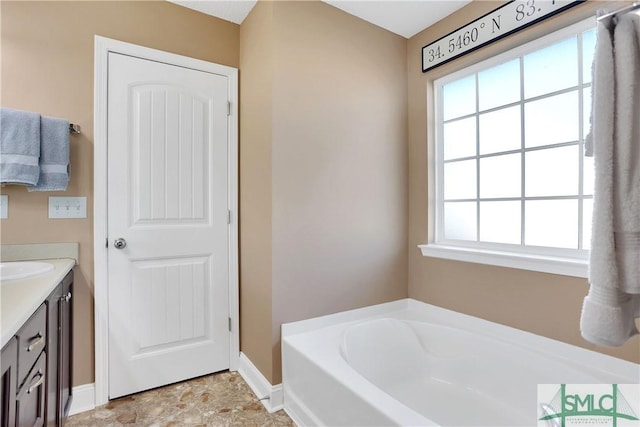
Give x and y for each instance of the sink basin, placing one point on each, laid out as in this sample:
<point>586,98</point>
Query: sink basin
<point>23,269</point>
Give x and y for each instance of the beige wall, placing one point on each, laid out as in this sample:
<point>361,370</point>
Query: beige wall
<point>256,87</point>
<point>47,67</point>
<point>338,166</point>
<point>544,304</point>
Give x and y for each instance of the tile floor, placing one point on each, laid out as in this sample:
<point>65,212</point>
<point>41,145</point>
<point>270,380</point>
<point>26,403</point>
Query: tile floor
<point>221,399</point>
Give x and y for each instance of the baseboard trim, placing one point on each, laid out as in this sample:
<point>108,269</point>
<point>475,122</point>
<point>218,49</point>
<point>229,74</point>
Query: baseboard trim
<point>84,399</point>
<point>271,396</point>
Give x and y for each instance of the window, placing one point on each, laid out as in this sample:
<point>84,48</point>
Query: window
<point>512,185</point>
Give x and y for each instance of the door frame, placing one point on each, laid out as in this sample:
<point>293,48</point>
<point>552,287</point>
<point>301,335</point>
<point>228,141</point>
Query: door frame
<point>102,47</point>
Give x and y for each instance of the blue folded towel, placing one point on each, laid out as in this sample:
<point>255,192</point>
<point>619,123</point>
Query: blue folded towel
<point>19,146</point>
<point>54,155</point>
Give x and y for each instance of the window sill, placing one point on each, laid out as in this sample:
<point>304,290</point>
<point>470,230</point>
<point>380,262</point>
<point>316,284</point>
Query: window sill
<point>547,264</point>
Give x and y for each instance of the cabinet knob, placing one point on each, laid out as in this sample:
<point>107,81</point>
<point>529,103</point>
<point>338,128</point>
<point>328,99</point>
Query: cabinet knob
<point>36,341</point>
<point>38,383</point>
<point>66,298</point>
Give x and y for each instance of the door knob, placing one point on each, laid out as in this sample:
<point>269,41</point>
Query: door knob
<point>120,243</point>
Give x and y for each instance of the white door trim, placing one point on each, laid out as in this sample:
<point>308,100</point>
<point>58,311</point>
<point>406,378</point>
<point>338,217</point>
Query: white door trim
<point>102,48</point>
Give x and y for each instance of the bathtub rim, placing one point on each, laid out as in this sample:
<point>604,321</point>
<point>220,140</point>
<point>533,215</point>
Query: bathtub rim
<point>570,353</point>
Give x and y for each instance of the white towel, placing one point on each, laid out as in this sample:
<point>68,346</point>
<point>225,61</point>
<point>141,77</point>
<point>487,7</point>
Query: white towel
<point>54,155</point>
<point>19,146</point>
<point>626,178</point>
<point>613,301</point>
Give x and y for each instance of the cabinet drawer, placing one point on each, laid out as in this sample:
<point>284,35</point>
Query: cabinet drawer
<point>31,341</point>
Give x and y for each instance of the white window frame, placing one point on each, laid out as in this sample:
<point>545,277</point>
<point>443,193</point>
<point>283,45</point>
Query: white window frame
<point>570,262</point>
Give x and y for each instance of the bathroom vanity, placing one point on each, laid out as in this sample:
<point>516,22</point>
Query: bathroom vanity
<point>36,359</point>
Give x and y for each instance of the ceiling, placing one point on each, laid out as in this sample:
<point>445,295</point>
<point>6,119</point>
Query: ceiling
<point>229,10</point>
<point>405,18</point>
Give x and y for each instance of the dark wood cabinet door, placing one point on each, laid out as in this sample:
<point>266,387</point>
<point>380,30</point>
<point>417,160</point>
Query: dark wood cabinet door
<point>65,351</point>
<point>8,380</point>
<point>59,363</point>
<point>53,321</point>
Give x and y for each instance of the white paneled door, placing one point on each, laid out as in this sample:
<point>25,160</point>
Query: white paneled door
<point>168,259</point>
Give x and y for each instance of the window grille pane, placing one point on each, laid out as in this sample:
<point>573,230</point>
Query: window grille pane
<point>588,50</point>
<point>552,68</point>
<point>460,138</point>
<point>500,130</point>
<point>460,221</point>
<point>460,180</point>
<point>510,165</point>
<point>500,222</point>
<point>552,120</point>
<point>500,176</point>
<point>552,223</point>
<point>587,214</point>
<point>459,98</point>
<point>552,172</point>
<point>499,85</point>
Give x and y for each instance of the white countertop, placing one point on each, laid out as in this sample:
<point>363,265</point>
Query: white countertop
<point>20,298</point>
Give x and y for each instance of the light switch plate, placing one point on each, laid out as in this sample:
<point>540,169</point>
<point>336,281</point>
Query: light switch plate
<point>67,207</point>
<point>4,206</point>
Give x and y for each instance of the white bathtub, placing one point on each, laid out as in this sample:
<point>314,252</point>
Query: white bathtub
<point>410,363</point>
